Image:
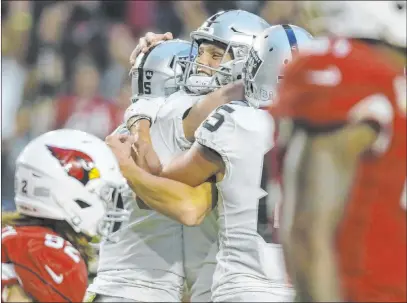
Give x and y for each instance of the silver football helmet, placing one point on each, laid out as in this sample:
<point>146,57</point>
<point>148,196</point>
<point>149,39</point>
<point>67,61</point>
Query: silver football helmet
<point>272,49</point>
<point>154,73</point>
<point>236,29</point>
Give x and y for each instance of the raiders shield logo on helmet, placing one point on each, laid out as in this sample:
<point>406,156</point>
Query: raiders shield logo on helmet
<point>253,64</point>
<point>76,164</point>
<point>149,74</point>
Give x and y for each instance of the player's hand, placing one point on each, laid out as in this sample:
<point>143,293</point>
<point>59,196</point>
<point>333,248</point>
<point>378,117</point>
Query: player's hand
<point>121,146</point>
<point>145,156</point>
<point>146,42</point>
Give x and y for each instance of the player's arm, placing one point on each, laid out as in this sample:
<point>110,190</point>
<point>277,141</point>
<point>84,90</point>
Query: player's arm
<point>11,291</point>
<point>180,201</point>
<point>200,111</point>
<point>325,173</point>
<point>15,293</point>
<point>146,156</point>
<point>138,119</point>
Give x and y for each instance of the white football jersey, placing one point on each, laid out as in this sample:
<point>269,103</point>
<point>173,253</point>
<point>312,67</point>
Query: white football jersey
<point>147,263</point>
<point>242,136</point>
<point>201,289</point>
<point>199,268</point>
<point>168,133</point>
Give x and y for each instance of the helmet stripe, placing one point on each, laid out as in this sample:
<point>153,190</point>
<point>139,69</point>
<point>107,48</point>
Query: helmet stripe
<point>141,71</point>
<point>292,39</point>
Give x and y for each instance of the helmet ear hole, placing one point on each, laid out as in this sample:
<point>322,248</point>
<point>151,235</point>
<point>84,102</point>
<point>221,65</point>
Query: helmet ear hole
<point>82,204</point>
<point>119,205</point>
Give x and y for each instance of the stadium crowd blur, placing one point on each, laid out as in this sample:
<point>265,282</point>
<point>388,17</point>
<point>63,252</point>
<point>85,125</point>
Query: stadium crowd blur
<point>65,63</point>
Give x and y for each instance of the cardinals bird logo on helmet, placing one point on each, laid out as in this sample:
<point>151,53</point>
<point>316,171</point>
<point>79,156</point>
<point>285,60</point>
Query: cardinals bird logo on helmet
<point>76,164</point>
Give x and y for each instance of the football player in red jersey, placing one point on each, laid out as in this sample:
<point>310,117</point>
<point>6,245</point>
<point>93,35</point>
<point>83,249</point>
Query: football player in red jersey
<point>67,189</point>
<point>342,112</point>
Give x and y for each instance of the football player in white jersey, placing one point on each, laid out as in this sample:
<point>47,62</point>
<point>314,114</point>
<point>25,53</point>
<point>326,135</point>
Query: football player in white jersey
<point>124,271</point>
<point>223,41</point>
<point>144,263</point>
<point>231,144</point>
<point>174,125</point>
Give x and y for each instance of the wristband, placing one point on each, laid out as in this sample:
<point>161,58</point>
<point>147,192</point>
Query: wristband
<point>143,108</point>
<point>134,119</point>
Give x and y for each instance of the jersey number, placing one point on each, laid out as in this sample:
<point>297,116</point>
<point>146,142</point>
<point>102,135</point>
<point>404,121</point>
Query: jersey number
<point>212,124</point>
<point>217,119</point>
<point>147,88</point>
<point>58,243</point>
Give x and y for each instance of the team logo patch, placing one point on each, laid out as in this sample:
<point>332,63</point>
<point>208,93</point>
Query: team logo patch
<point>76,164</point>
<point>253,64</point>
<point>149,74</point>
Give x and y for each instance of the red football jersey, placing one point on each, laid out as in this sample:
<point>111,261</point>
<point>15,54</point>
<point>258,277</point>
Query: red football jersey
<point>47,267</point>
<point>340,82</point>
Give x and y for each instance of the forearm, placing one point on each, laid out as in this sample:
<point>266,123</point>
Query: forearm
<point>146,156</point>
<point>141,129</point>
<point>17,294</point>
<point>327,175</point>
<point>194,167</point>
<point>200,111</point>
<point>324,274</point>
<point>174,199</point>
<point>332,165</point>
<point>312,264</point>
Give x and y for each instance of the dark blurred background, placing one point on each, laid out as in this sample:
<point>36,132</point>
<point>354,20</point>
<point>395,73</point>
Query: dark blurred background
<point>65,63</point>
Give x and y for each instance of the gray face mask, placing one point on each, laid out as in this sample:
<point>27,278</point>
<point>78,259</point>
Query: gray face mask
<point>235,29</point>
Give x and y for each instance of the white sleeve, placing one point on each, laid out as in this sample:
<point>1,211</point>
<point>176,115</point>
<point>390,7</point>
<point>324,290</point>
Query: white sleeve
<point>8,272</point>
<point>217,132</point>
<point>376,108</point>
<point>144,107</point>
<point>170,119</point>
<point>9,277</point>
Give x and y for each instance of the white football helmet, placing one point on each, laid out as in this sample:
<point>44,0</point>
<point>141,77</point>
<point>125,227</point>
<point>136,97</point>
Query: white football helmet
<point>378,20</point>
<point>73,176</point>
<point>236,29</point>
